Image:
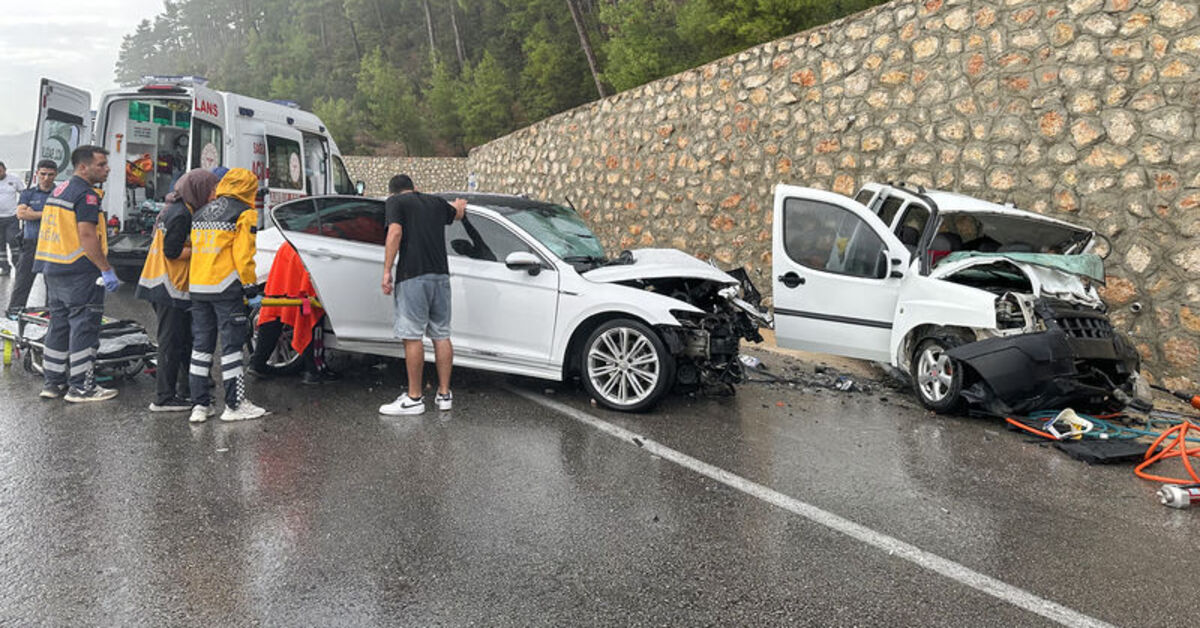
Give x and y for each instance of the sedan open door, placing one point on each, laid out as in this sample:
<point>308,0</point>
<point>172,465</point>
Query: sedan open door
<point>837,273</point>
<point>340,240</point>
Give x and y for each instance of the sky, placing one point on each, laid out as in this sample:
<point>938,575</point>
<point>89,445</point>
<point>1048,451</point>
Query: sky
<point>71,41</point>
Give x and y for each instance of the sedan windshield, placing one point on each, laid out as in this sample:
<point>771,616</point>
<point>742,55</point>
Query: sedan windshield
<point>560,229</point>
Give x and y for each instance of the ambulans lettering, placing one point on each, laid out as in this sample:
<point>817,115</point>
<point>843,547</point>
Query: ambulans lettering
<point>207,107</point>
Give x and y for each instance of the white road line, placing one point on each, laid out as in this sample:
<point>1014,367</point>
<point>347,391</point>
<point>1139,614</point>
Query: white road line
<point>894,547</point>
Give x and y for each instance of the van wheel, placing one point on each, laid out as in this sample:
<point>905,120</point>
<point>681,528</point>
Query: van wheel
<point>625,366</point>
<point>937,377</point>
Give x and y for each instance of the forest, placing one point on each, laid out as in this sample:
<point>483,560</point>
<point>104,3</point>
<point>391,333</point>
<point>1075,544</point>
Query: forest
<point>437,77</point>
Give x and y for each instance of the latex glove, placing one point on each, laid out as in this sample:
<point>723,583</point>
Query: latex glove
<point>111,283</point>
<point>254,301</point>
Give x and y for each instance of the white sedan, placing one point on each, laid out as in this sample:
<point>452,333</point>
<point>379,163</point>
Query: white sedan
<point>533,294</point>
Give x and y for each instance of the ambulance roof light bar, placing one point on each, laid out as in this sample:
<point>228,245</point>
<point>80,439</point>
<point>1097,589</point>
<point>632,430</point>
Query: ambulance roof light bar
<point>172,81</point>
<point>286,103</point>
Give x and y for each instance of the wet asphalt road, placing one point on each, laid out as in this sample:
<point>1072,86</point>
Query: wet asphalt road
<point>508,512</point>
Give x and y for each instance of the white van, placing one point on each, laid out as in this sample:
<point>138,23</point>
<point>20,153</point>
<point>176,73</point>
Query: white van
<point>171,124</point>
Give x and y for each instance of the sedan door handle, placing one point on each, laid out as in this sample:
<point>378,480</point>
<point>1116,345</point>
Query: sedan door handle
<point>791,279</point>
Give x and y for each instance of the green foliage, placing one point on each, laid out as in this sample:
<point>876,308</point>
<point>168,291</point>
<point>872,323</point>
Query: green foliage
<point>369,62</point>
<point>645,44</point>
<point>485,109</point>
<point>390,103</point>
<point>341,118</point>
<point>442,99</point>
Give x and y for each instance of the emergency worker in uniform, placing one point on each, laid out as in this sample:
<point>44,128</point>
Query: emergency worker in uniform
<point>29,210</point>
<point>72,254</point>
<point>222,277</point>
<point>164,283</point>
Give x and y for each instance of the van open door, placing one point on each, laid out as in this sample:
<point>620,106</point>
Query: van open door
<point>837,272</point>
<point>207,141</point>
<point>63,124</point>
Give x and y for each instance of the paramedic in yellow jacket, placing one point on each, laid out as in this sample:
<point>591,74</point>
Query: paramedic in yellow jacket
<point>164,283</point>
<point>221,278</point>
<point>72,254</point>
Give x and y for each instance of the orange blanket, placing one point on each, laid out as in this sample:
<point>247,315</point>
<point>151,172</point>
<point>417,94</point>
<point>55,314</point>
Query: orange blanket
<point>289,278</point>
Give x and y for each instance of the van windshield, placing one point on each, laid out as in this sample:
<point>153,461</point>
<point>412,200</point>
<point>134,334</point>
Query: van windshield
<point>995,232</point>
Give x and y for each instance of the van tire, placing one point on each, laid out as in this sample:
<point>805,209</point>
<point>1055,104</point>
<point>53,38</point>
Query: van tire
<point>937,378</point>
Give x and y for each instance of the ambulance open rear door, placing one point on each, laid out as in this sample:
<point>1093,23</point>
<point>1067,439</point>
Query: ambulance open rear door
<point>63,124</point>
<point>207,142</point>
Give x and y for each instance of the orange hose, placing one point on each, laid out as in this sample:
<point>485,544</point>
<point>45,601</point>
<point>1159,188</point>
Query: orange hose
<point>1177,449</point>
<point>1021,425</point>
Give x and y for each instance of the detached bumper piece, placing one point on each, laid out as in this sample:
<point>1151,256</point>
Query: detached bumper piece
<point>1081,364</point>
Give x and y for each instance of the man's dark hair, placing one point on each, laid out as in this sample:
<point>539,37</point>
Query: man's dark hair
<point>3,166</point>
<point>47,163</point>
<point>400,183</point>
<point>86,153</point>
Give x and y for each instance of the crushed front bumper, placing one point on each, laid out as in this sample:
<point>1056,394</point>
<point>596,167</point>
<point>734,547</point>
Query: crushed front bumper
<point>1049,370</point>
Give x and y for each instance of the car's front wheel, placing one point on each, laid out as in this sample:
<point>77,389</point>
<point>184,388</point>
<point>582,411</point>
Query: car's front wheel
<point>626,366</point>
<point>937,377</point>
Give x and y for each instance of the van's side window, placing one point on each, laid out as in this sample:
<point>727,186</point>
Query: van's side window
<point>826,237</point>
<point>208,150</point>
<point>286,166</point>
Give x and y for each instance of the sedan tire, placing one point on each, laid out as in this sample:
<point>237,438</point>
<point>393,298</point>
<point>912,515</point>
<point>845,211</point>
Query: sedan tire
<point>625,366</point>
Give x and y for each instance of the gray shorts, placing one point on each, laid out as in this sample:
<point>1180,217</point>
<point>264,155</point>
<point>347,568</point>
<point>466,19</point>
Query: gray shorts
<point>423,307</point>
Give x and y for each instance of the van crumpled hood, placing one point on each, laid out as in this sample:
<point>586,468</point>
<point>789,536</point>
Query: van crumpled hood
<point>658,264</point>
<point>1068,279</point>
<point>1085,264</point>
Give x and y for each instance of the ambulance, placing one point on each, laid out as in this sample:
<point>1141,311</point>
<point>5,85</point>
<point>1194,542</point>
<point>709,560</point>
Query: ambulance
<point>171,124</point>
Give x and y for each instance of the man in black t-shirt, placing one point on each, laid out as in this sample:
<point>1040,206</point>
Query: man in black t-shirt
<point>421,284</point>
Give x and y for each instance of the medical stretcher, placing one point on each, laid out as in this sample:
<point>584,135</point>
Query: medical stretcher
<point>125,349</point>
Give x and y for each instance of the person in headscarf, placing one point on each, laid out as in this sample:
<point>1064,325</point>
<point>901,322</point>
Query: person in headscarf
<point>222,280</point>
<point>164,283</point>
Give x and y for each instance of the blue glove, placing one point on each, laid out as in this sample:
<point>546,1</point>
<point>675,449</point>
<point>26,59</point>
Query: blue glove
<point>111,283</point>
<point>254,301</point>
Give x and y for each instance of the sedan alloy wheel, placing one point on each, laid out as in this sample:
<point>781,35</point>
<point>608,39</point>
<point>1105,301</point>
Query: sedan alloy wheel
<point>626,366</point>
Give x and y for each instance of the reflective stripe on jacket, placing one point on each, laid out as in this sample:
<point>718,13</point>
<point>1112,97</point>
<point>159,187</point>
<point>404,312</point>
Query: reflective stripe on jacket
<point>59,249</point>
<point>165,280</point>
<point>222,249</point>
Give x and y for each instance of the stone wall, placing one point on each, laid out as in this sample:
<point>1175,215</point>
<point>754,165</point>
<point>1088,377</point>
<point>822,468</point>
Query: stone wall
<point>1082,109</point>
<point>430,174</point>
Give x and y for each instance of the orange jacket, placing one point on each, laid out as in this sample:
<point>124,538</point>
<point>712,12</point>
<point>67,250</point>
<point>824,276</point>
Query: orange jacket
<point>289,278</point>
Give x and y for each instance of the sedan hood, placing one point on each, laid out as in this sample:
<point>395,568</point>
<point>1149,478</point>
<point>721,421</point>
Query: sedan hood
<point>658,264</point>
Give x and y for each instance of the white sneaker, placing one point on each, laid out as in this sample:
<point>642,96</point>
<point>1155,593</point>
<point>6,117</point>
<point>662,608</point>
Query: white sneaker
<point>200,413</point>
<point>95,393</point>
<point>244,411</point>
<point>444,402</point>
<point>403,405</point>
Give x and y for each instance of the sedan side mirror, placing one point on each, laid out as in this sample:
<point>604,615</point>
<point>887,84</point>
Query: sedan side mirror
<point>522,260</point>
<point>360,187</point>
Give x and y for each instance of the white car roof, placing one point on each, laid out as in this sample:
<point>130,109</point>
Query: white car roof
<point>953,202</point>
